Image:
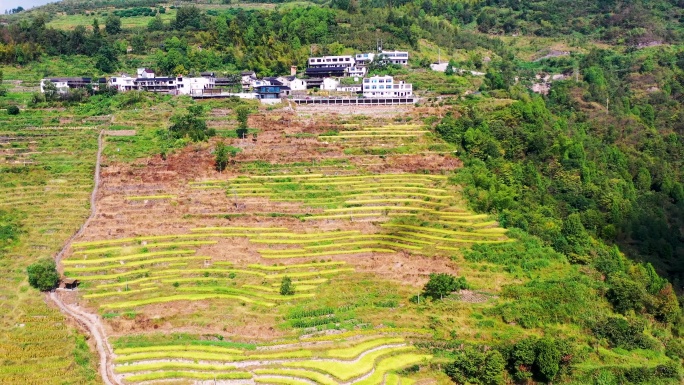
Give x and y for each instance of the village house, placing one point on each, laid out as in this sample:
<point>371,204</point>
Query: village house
<point>329,66</point>
<point>195,86</point>
<point>270,94</point>
<point>248,78</point>
<point>329,84</point>
<point>386,87</point>
<point>356,72</point>
<point>122,83</point>
<point>397,57</point>
<point>363,59</point>
<point>145,73</point>
<point>63,85</point>
<point>331,61</point>
<point>314,83</point>
<point>298,85</point>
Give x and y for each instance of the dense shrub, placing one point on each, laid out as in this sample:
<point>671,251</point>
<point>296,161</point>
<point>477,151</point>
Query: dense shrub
<point>13,110</point>
<point>286,287</point>
<point>539,359</point>
<point>475,366</point>
<point>528,253</point>
<point>137,11</point>
<point>571,299</point>
<point>622,333</point>
<point>625,294</point>
<point>43,274</point>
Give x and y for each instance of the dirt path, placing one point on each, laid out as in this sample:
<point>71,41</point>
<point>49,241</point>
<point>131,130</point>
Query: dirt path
<point>91,322</point>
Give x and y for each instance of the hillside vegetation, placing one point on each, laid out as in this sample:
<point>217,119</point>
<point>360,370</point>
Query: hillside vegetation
<point>489,235</point>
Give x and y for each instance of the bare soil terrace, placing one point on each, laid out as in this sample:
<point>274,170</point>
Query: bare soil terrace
<point>277,143</point>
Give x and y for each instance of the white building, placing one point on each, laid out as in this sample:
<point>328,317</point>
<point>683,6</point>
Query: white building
<point>330,84</point>
<point>248,78</point>
<point>386,87</point>
<point>439,67</point>
<point>397,57</point>
<point>297,84</point>
<point>194,86</point>
<point>362,59</point>
<point>331,61</point>
<point>122,83</point>
<point>356,71</point>
<point>260,82</point>
<point>145,73</point>
<point>63,85</point>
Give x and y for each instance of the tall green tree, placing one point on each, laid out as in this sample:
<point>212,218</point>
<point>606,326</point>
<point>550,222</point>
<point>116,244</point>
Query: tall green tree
<point>156,24</point>
<point>443,284</point>
<point>188,17</point>
<point>191,125</point>
<point>113,24</point>
<point>243,113</point>
<point>107,59</point>
<point>138,44</point>
<point>43,274</point>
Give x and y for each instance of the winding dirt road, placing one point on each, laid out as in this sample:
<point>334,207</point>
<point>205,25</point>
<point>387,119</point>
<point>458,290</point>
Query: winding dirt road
<point>91,322</point>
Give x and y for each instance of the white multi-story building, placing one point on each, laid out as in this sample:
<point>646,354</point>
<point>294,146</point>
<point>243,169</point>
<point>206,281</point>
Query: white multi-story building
<point>332,61</point>
<point>362,59</point>
<point>386,87</point>
<point>397,57</point>
<point>356,71</point>
<point>194,86</point>
<point>122,83</point>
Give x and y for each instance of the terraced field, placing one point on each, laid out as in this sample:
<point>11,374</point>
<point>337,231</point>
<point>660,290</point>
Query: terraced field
<point>206,257</point>
<point>132,272</point>
<point>359,358</point>
<point>45,182</point>
<point>394,135</point>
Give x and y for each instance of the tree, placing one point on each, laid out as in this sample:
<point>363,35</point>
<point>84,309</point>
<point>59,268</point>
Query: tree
<point>450,68</point>
<point>188,17</point>
<point>12,110</point>
<point>138,44</point>
<point>156,24</point>
<point>113,24</point>
<point>96,29</point>
<point>43,274</point>
<point>441,284</point>
<point>221,157</point>
<point>665,305</point>
<point>50,90</point>
<point>286,287</point>
<point>223,153</point>
<point>242,118</point>
<point>107,59</point>
<point>191,125</point>
<point>380,62</point>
